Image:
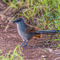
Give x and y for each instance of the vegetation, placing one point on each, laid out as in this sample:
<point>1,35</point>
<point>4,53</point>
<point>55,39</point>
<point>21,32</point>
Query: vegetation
<point>45,12</point>
<point>16,55</point>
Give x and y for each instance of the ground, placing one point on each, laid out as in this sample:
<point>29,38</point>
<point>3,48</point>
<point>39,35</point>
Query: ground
<point>9,39</point>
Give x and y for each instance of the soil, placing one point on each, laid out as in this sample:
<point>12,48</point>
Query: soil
<point>9,39</point>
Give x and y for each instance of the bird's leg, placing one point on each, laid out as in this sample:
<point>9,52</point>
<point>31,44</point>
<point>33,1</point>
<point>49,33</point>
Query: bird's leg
<point>22,43</point>
<point>26,44</point>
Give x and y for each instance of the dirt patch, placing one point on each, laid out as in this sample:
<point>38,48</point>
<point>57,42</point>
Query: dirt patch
<point>10,39</point>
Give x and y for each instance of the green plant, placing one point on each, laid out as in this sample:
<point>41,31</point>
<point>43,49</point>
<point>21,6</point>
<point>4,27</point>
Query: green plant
<point>16,55</point>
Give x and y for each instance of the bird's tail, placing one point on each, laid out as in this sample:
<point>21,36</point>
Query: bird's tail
<point>37,34</point>
<point>46,31</point>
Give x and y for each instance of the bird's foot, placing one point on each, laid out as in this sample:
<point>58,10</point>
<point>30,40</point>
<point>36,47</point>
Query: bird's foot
<point>25,46</point>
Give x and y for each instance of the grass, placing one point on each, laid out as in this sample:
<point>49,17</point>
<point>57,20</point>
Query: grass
<point>45,12</point>
<point>16,55</point>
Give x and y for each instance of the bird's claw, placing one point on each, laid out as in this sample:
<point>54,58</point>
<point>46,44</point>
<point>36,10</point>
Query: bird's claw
<point>25,46</point>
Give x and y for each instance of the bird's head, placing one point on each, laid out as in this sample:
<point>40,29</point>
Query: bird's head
<point>18,20</point>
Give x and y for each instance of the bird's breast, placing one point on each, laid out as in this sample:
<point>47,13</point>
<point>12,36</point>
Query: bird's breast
<point>23,33</point>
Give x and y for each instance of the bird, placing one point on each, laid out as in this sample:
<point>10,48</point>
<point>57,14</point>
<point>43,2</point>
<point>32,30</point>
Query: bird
<point>27,31</point>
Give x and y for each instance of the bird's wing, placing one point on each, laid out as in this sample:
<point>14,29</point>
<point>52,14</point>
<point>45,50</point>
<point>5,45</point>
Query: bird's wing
<point>31,29</point>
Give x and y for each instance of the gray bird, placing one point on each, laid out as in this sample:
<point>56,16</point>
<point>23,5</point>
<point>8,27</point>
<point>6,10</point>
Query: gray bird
<point>27,32</point>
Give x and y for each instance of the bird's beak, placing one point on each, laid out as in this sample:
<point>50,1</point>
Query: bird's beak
<point>14,21</point>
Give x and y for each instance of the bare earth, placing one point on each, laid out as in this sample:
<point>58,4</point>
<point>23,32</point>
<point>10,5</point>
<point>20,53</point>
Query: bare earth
<point>10,39</point>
